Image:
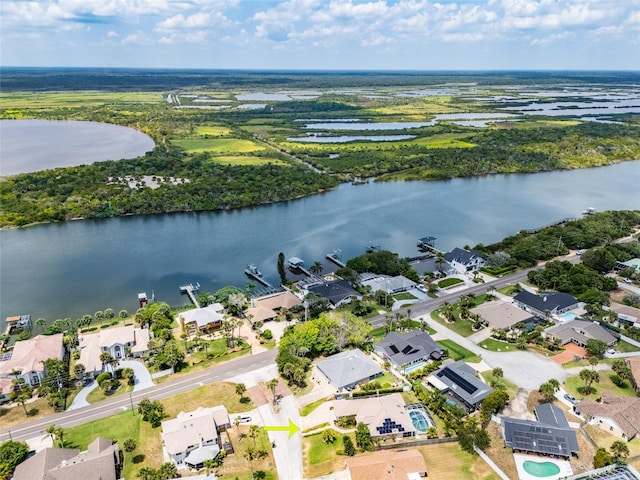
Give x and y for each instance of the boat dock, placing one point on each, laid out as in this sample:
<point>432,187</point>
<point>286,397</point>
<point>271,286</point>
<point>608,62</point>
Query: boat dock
<point>189,289</point>
<point>297,264</point>
<point>428,244</point>
<point>372,247</point>
<point>18,323</point>
<point>336,257</point>
<point>253,272</point>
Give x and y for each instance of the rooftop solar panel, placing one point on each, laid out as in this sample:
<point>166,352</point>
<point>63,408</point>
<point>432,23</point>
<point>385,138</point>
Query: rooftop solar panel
<point>458,380</point>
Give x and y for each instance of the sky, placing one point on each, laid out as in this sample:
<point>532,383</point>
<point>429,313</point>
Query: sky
<point>323,34</point>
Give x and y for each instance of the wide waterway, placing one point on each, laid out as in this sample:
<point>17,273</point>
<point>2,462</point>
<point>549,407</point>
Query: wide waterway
<point>69,269</point>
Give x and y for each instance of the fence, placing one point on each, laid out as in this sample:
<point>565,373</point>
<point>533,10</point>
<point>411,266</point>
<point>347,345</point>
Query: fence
<point>416,443</point>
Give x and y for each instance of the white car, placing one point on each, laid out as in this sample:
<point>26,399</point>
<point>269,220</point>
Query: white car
<point>580,252</point>
<point>421,287</point>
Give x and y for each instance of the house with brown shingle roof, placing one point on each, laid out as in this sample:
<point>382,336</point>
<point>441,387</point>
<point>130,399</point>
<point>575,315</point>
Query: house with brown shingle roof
<point>268,307</point>
<point>634,364</point>
<point>28,358</point>
<point>101,460</point>
<point>614,414</point>
<point>501,315</point>
<point>579,332</point>
<point>388,465</point>
<point>204,320</point>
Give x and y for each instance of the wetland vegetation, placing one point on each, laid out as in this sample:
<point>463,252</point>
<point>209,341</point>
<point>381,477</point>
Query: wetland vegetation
<point>231,151</point>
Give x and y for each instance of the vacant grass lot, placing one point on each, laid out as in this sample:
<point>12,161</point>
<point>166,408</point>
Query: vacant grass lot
<point>448,461</point>
<point>218,145</point>
<point>213,130</point>
<point>511,387</point>
<point>149,448</point>
<point>458,352</point>
<point>572,384</point>
<point>461,327</point>
<point>625,347</point>
<point>321,458</point>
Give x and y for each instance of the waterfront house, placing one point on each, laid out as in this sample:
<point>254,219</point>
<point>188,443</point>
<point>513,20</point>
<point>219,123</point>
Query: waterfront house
<point>464,261</point>
<point>268,307</point>
<point>194,437</point>
<point>388,284</point>
<point>346,370</point>
<point>120,342</point>
<point>549,435</point>
<point>405,350</point>
<point>338,292</point>
<point>458,381</point>
<point>28,356</point>
<point>546,304</point>
<point>101,461</point>
<point>204,320</point>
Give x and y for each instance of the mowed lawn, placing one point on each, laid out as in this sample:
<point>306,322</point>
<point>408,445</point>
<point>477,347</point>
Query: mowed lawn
<point>572,384</point>
<point>218,145</point>
<point>458,352</point>
<point>447,461</point>
<point>321,458</point>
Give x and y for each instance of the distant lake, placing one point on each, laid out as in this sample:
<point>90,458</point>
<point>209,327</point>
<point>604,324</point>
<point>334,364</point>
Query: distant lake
<point>313,138</point>
<point>33,145</point>
<point>69,269</point>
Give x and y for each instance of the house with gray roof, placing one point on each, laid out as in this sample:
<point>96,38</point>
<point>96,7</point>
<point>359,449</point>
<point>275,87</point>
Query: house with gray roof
<point>389,284</point>
<point>347,369</point>
<point>100,460</point>
<point>546,303</point>
<point>579,332</point>
<point>549,435</point>
<point>405,350</point>
<point>464,261</point>
<point>458,380</point>
<point>337,292</point>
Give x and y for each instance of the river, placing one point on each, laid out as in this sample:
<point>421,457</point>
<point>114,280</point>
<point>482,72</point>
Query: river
<point>70,269</point>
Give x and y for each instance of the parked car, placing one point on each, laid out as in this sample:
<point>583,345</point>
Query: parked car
<point>627,280</point>
<point>570,398</point>
<point>580,252</point>
<point>421,287</point>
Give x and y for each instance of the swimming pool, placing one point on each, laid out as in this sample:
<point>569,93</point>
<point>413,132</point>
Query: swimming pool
<point>567,317</point>
<point>419,421</point>
<point>541,469</point>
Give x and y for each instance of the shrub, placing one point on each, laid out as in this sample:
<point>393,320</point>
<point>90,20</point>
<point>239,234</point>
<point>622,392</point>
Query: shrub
<point>349,449</point>
<point>267,334</point>
<point>103,377</point>
<point>617,380</point>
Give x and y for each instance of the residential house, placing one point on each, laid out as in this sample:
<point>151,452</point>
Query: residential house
<point>120,342</point>
<point>464,261</point>
<point>579,332</point>
<point>389,284</point>
<point>386,415</point>
<point>407,350</point>
<point>501,315</point>
<point>634,364</point>
<point>626,314</point>
<point>101,461</point>
<point>546,303</point>
<point>620,416</point>
<point>6,389</point>
<point>615,471</point>
<point>204,320</point>
<point>28,357</point>
<point>347,369</point>
<point>458,380</point>
<point>268,307</point>
<point>388,465</point>
<point>338,292</point>
<point>194,437</point>
<point>633,263</point>
<point>549,435</point>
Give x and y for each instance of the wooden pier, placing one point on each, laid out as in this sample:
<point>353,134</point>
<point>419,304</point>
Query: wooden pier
<point>428,245</point>
<point>252,272</point>
<point>189,289</point>
<point>336,257</point>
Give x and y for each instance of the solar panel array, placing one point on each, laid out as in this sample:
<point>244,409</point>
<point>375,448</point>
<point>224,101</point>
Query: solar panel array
<point>388,426</point>
<point>540,439</point>
<point>394,349</point>
<point>458,380</point>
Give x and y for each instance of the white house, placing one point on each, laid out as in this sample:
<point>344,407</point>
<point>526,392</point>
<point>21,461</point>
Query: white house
<point>464,261</point>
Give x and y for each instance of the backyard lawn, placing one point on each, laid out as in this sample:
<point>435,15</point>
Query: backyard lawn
<point>458,352</point>
<point>447,461</point>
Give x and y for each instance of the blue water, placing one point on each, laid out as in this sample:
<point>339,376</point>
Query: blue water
<point>419,421</point>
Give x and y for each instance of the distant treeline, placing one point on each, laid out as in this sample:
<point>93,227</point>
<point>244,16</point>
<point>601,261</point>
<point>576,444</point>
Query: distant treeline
<point>126,79</point>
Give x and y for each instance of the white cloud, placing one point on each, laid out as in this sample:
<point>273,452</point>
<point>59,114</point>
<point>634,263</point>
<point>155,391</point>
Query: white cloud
<point>112,34</point>
<point>178,22</point>
<point>137,38</point>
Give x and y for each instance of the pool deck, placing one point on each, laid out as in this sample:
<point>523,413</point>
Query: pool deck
<point>520,458</point>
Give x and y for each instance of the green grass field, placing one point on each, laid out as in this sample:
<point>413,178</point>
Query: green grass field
<point>572,384</point>
<point>461,327</point>
<point>458,352</point>
<point>213,130</point>
<point>50,100</point>
<point>494,345</point>
<point>218,145</point>
<point>247,160</point>
<point>625,347</point>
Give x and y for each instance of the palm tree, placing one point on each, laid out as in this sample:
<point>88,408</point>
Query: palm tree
<point>316,268</point>
<point>51,430</point>
<point>273,383</point>
<point>241,389</point>
<point>106,358</point>
<point>253,432</point>
<point>41,322</point>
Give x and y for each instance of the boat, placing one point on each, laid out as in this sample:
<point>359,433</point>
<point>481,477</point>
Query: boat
<point>253,270</point>
<point>295,262</point>
<point>589,211</point>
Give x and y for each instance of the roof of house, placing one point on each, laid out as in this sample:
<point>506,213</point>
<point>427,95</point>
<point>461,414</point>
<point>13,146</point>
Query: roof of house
<point>459,378</point>
<point>634,365</point>
<point>386,464</point>
<point>91,345</point>
<point>6,385</point>
<point>550,435</point>
<point>189,428</point>
<point>546,300</point>
<point>382,414</point>
<point>335,291</point>
<point>204,316</point>
<point>624,411</point>
<point>581,331</point>
<point>462,256</point>
<point>407,347</point>
<point>501,314</point>
<point>98,461</point>
<point>621,309</point>
<point>348,367</point>
<point>389,284</point>
<point>611,472</point>
<point>116,336</point>
<point>28,355</point>
<point>90,352</point>
<point>264,308</point>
